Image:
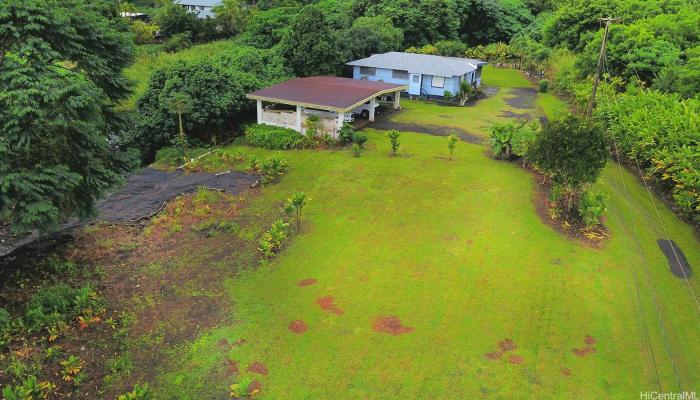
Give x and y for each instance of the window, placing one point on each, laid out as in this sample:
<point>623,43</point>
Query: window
<point>438,81</point>
<point>416,78</point>
<point>399,74</point>
<point>368,71</point>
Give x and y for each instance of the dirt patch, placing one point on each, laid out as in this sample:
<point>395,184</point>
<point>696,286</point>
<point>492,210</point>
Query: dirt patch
<point>307,282</point>
<point>507,345</point>
<point>298,326</point>
<point>566,371</point>
<point>515,360</point>
<point>589,341</point>
<point>231,367</point>
<point>510,114</point>
<point>258,368</point>
<point>326,303</point>
<point>677,262</point>
<point>391,325</point>
<point>504,346</point>
<point>254,387</point>
<point>523,98</point>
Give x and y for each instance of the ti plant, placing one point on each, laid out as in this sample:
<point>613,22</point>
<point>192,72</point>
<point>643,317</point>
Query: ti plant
<point>452,140</point>
<point>295,204</point>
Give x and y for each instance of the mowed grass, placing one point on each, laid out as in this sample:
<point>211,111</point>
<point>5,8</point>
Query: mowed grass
<point>472,119</point>
<point>456,251</point>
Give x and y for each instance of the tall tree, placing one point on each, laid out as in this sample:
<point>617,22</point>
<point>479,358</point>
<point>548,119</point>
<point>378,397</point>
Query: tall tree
<point>61,73</point>
<point>232,16</point>
<point>310,47</point>
<point>369,35</point>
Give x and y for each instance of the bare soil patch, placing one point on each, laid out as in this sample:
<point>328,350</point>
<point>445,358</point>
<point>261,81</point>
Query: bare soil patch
<point>566,371</point>
<point>258,368</point>
<point>231,367</point>
<point>524,98</point>
<point>510,114</point>
<point>589,341</point>
<point>507,345</point>
<point>307,282</point>
<point>493,355</point>
<point>504,346</point>
<point>391,325</point>
<point>515,360</point>
<point>298,326</point>
<point>326,303</point>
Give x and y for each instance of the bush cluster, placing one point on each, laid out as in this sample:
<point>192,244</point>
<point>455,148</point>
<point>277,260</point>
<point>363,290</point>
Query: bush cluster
<point>272,240</point>
<point>273,137</point>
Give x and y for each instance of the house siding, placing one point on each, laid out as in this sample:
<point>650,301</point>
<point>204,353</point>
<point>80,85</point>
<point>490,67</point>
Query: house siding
<point>423,86</point>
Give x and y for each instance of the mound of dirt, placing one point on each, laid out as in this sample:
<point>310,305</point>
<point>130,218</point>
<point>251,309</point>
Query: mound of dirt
<point>677,262</point>
<point>391,325</point>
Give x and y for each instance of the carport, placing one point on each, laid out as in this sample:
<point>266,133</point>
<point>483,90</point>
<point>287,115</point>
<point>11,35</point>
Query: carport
<point>290,103</point>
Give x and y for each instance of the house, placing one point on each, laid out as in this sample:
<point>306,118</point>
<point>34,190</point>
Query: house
<point>332,99</point>
<point>203,8</point>
<point>423,74</point>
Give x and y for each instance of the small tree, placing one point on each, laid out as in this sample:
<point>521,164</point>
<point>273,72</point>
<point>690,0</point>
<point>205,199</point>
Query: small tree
<point>466,92</point>
<point>295,204</point>
<point>452,140</point>
<point>394,138</point>
<point>180,103</point>
<point>346,133</point>
<point>572,151</point>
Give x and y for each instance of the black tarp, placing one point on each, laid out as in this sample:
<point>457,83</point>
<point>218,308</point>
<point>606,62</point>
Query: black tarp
<point>143,195</point>
<point>677,262</point>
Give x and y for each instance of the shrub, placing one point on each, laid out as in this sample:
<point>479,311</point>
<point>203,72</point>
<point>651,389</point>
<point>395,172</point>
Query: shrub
<point>52,306</point>
<point>452,140</point>
<point>253,164</point>
<point>143,33</point>
<point>510,140</point>
<point>447,96</point>
<point>295,204</point>
<point>572,151</point>
<point>359,138</point>
<point>273,168</point>
<point>346,133</point>
<point>543,85</point>
<point>178,42</point>
<point>140,392</point>
<point>592,208</point>
<point>273,137</point>
<point>356,150</point>
<point>394,138</point>
<point>272,240</point>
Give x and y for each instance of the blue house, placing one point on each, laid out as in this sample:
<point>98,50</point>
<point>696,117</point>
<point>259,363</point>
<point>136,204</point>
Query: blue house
<point>423,74</point>
<point>202,8</point>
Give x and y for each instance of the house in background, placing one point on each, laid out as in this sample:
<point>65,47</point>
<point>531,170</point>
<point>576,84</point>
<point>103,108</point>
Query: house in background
<point>423,74</point>
<point>203,8</point>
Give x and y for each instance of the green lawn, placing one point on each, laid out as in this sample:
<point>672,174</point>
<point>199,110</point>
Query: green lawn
<point>474,119</point>
<point>458,253</point>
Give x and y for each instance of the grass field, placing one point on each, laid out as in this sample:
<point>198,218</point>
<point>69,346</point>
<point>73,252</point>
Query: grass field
<point>456,251</point>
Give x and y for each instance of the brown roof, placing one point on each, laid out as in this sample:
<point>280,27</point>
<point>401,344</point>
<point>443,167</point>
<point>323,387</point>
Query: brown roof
<point>324,92</point>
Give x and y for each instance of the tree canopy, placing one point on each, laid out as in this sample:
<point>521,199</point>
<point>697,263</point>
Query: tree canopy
<point>61,66</point>
<point>310,47</point>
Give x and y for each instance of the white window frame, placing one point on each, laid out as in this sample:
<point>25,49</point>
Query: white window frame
<point>441,79</point>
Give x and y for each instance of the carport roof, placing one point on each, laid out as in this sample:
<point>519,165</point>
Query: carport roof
<point>325,92</point>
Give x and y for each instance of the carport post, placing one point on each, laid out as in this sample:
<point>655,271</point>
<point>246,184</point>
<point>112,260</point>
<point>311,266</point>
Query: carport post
<point>341,119</point>
<point>397,100</point>
<point>259,103</point>
<point>372,104</point>
<point>298,124</point>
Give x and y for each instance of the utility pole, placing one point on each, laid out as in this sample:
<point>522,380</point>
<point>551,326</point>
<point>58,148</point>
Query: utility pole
<point>601,57</point>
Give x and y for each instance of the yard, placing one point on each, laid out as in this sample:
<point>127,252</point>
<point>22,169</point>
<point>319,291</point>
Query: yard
<point>412,277</point>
